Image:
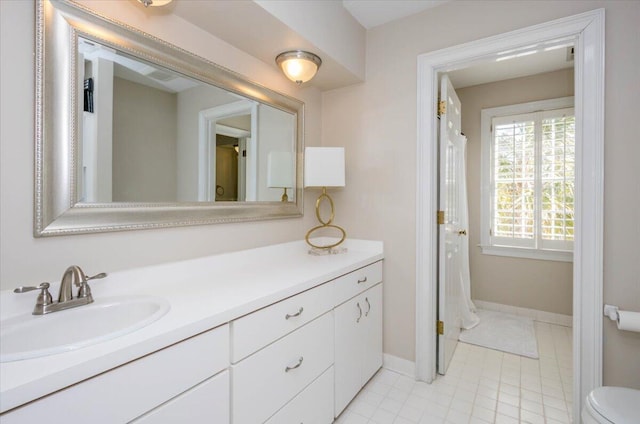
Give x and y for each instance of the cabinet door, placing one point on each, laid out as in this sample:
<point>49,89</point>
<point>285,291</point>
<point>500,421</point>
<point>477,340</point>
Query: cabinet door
<point>348,352</point>
<point>371,332</point>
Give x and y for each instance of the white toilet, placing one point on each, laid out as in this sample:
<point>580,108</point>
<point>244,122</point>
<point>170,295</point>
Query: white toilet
<point>612,405</point>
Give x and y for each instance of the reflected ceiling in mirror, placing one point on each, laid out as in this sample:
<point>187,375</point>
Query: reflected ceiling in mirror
<point>132,133</point>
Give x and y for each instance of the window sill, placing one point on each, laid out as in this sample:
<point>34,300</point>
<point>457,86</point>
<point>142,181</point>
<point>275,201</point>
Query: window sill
<point>523,252</point>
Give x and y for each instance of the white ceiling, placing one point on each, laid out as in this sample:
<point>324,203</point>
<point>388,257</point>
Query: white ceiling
<point>535,60</point>
<point>250,28</point>
<point>371,13</point>
<point>268,36</point>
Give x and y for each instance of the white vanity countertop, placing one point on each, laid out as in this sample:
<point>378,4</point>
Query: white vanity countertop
<point>204,293</point>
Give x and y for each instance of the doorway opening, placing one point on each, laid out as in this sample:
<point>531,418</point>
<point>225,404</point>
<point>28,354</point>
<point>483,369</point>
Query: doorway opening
<point>588,31</point>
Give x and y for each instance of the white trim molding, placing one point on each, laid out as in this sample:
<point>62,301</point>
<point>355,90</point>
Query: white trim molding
<point>399,365</point>
<point>523,252</point>
<point>588,31</point>
<point>534,314</point>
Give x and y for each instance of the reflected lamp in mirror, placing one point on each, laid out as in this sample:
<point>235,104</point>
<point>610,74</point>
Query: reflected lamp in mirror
<point>99,168</point>
<point>323,168</point>
<point>299,66</point>
<point>148,3</point>
<point>280,172</point>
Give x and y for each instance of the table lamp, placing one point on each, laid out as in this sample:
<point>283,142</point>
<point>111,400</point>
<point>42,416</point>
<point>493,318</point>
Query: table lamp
<point>324,167</point>
<point>280,172</point>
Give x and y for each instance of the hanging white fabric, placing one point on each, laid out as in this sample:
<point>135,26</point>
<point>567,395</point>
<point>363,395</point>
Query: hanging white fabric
<point>467,309</point>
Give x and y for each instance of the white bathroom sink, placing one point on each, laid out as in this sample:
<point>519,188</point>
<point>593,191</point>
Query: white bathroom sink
<point>29,336</point>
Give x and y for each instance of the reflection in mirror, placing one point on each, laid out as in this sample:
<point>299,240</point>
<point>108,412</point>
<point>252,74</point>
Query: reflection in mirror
<point>150,134</point>
<point>135,133</point>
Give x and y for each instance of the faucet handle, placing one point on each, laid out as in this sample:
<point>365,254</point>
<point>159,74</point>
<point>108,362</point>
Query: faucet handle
<point>84,290</point>
<point>96,277</point>
<point>44,298</point>
<point>23,289</point>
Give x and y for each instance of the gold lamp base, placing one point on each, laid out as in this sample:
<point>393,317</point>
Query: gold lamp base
<point>325,224</point>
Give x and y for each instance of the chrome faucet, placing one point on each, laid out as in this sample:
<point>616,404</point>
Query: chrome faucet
<point>73,276</point>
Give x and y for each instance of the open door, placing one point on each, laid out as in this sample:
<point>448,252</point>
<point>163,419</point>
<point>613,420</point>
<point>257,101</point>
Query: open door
<point>450,228</point>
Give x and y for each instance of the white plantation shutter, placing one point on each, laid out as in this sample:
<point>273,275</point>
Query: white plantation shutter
<point>557,179</point>
<point>514,180</point>
<point>532,179</point>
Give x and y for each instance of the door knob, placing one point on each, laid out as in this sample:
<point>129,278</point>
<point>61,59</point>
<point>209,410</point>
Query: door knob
<point>462,232</point>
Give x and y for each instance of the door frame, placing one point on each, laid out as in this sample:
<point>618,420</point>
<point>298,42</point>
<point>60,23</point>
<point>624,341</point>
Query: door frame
<point>588,31</point>
<point>207,122</point>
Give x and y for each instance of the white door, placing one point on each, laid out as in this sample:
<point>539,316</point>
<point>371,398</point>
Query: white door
<point>450,228</point>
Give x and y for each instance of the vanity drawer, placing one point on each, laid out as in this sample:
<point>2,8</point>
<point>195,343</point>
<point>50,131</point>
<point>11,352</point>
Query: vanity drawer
<point>208,402</point>
<point>264,382</point>
<point>126,392</point>
<point>314,405</point>
<point>258,329</point>
<point>356,282</point>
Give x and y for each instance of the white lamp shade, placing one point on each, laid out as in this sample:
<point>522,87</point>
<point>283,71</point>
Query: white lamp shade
<point>156,3</point>
<point>324,167</point>
<point>280,170</point>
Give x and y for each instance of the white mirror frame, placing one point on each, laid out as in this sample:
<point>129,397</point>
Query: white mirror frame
<point>59,23</point>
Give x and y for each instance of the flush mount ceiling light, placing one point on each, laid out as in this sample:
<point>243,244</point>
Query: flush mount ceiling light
<point>148,3</point>
<point>299,66</point>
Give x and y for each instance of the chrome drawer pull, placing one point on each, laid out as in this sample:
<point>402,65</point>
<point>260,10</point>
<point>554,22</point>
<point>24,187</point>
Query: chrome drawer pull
<point>369,305</point>
<point>359,309</point>
<point>364,280</point>
<point>288,368</point>
<point>297,314</point>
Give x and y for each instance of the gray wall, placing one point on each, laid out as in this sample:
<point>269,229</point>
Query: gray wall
<point>26,260</point>
<point>527,283</point>
<point>376,121</point>
<point>144,143</point>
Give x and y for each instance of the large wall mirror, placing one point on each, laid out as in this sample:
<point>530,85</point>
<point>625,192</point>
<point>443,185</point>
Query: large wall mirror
<point>133,133</point>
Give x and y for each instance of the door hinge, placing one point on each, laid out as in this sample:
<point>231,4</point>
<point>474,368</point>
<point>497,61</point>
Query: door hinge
<point>440,327</point>
<point>440,217</point>
<point>442,107</point>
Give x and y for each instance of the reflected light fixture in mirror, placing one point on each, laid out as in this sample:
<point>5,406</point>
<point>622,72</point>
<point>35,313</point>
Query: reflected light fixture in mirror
<point>299,66</point>
<point>280,172</point>
<point>324,167</point>
<point>148,3</point>
<point>185,194</point>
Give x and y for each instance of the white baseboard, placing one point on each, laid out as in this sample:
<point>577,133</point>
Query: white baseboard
<point>536,315</point>
<point>399,365</point>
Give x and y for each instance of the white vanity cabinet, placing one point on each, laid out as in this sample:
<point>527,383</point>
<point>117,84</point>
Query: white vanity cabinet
<point>295,348</point>
<point>358,344</point>
<point>133,389</point>
<point>265,344</point>
<point>295,359</point>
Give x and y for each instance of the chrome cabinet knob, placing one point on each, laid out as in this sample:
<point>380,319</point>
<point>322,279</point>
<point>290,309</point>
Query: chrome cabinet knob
<point>293,367</point>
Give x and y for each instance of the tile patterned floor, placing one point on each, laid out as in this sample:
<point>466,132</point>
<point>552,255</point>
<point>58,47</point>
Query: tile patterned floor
<point>481,386</point>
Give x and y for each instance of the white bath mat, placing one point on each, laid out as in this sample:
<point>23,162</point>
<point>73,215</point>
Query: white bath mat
<point>505,332</point>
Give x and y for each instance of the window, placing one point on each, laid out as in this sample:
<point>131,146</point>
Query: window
<point>528,180</point>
